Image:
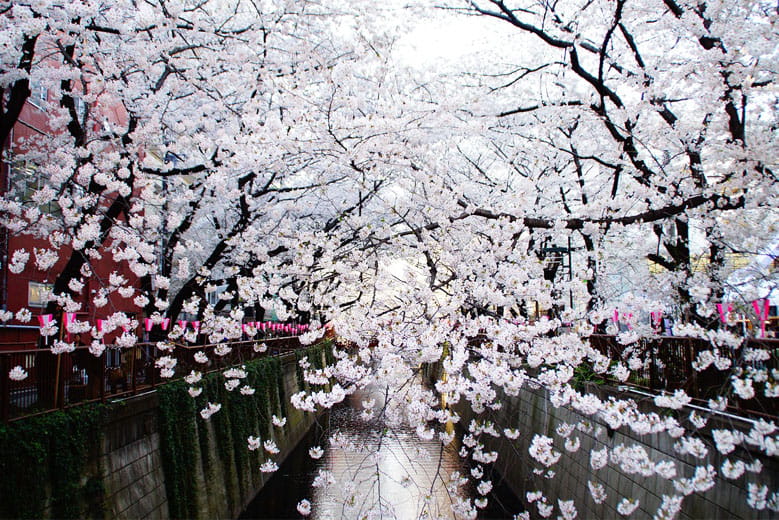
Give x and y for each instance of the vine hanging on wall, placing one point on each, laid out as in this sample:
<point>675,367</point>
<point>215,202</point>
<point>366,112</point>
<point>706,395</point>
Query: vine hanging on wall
<point>43,465</point>
<point>185,436</point>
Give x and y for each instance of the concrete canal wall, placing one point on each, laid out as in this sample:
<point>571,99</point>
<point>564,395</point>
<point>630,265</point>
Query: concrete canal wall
<point>214,476</point>
<point>153,456</point>
<point>131,461</point>
<point>226,481</point>
<point>532,412</point>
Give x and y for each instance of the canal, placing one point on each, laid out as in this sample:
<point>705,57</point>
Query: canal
<point>370,464</point>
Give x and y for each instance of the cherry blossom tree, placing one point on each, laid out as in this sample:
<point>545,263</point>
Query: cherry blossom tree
<point>179,134</point>
<point>617,122</point>
<point>656,114</point>
<point>281,152</point>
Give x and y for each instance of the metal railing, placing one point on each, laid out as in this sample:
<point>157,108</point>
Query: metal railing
<point>670,367</point>
<point>56,381</point>
<point>59,381</point>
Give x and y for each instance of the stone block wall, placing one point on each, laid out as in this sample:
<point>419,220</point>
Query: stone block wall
<point>131,466</point>
<point>214,500</point>
<point>532,412</point>
<point>122,472</point>
<point>131,462</point>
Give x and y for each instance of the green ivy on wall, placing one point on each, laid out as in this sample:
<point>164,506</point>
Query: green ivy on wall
<point>318,355</point>
<point>184,434</point>
<point>177,443</point>
<point>45,457</point>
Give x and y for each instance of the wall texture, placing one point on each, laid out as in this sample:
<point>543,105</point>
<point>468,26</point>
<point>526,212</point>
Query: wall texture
<point>131,461</point>
<point>152,455</point>
<point>226,474</point>
<point>532,412</point>
<point>208,470</point>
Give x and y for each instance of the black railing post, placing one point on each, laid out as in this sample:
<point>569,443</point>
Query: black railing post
<point>102,375</point>
<point>653,347</point>
<point>152,370</point>
<point>59,380</point>
<point>133,382</point>
<point>692,375</point>
<point>5,389</point>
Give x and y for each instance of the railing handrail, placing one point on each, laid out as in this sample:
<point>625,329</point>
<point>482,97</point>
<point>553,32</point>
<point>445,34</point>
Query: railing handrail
<point>58,381</point>
<point>748,339</point>
<point>671,366</point>
<point>144,344</point>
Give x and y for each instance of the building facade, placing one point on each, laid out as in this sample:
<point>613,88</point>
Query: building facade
<point>30,288</point>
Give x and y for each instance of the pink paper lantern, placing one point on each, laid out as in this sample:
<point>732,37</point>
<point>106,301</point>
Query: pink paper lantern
<point>45,319</point>
<point>723,309</point>
<point>761,309</point>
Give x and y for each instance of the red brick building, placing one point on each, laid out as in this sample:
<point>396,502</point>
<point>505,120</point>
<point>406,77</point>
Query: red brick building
<point>28,289</point>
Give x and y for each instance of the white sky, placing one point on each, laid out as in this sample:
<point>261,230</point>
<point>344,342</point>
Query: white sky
<point>448,39</point>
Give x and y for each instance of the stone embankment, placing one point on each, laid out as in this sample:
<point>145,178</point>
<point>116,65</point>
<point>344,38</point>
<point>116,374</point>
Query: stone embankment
<point>153,456</point>
<point>533,413</point>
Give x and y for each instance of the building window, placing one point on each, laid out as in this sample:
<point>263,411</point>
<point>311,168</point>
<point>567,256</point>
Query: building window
<point>38,294</point>
<point>38,94</point>
<point>81,109</point>
<point>212,296</point>
<point>25,180</point>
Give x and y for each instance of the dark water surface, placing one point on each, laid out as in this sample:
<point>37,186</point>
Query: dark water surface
<point>410,484</point>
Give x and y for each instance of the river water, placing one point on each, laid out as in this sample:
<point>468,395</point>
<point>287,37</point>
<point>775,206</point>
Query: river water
<point>372,465</point>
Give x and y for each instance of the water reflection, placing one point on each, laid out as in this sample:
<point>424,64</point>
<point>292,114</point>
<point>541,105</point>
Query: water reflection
<point>370,466</point>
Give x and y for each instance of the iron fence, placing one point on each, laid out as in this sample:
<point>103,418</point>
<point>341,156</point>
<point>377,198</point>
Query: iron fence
<point>667,364</point>
<point>56,381</point>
